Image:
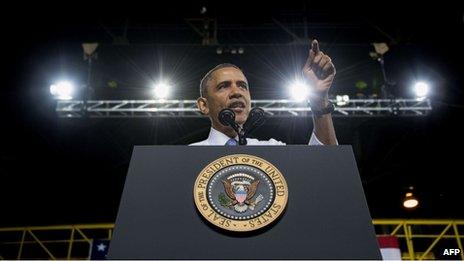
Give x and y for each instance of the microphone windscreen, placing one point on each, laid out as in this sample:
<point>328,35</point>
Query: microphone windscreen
<point>226,117</point>
<point>255,119</point>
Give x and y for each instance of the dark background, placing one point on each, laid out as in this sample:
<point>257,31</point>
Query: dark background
<point>58,171</point>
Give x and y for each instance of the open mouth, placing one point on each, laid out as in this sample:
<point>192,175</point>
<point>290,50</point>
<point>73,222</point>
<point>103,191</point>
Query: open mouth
<point>237,106</point>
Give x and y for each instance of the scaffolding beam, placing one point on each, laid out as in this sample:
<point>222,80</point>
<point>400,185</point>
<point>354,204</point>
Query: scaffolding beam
<point>273,108</point>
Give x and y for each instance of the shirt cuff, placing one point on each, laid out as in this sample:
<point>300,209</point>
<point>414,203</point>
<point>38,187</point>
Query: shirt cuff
<point>314,141</point>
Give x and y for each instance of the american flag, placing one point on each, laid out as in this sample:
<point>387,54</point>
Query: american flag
<point>99,249</point>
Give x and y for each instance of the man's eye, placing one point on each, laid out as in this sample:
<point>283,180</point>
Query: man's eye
<point>222,85</point>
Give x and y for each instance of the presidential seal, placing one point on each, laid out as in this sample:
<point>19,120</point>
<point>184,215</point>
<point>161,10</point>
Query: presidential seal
<point>240,193</point>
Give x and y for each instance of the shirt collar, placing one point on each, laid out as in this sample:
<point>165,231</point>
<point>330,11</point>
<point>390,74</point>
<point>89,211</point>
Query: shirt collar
<point>217,138</point>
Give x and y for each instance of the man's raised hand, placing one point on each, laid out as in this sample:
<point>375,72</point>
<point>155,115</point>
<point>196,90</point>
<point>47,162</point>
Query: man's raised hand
<point>319,71</point>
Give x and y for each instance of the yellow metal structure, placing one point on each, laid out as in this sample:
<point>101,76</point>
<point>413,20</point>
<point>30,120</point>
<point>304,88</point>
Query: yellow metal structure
<point>52,238</point>
<point>59,242</point>
<point>429,231</point>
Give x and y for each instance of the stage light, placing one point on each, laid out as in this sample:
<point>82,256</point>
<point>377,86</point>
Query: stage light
<point>62,90</point>
<point>203,10</point>
<point>299,91</point>
<point>421,89</point>
<point>233,51</point>
<point>342,99</point>
<point>162,89</point>
<point>381,48</point>
<point>241,50</point>
<point>410,201</point>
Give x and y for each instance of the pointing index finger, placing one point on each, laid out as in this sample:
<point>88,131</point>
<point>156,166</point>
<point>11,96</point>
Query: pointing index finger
<point>313,51</point>
<point>315,46</point>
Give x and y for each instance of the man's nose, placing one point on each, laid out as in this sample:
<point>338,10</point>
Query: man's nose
<point>235,91</point>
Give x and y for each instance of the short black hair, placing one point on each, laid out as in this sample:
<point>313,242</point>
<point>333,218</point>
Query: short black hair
<point>209,74</point>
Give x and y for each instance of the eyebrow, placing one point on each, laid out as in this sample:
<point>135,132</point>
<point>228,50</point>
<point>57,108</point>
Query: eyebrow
<point>239,82</point>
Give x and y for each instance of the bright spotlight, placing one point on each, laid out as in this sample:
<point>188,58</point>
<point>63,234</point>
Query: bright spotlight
<point>421,89</point>
<point>342,99</point>
<point>410,201</point>
<point>162,90</point>
<point>299,91</point>
<point>62,90</point>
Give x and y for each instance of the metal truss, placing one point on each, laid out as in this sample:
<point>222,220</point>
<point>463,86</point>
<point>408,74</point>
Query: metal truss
<point>273,108</point>
<point>418,238</point>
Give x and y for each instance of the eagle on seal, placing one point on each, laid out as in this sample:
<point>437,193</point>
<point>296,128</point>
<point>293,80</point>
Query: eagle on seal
<point>241,193</point>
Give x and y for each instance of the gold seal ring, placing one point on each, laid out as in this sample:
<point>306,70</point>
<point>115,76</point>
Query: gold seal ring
<point>240,192</point>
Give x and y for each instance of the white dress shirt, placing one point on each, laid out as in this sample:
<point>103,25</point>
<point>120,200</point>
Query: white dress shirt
<point>218,138</point>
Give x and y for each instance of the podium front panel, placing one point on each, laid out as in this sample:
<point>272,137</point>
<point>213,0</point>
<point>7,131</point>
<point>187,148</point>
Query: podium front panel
<point>326,216</point>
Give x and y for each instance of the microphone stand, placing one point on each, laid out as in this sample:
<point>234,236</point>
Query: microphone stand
<point>240,132</point>
<point>241,136</point>
<point>227,118</point>
<point>255,119</point>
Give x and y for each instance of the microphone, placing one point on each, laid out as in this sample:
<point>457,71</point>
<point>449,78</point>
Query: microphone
<point>227,117</point>
<point>256,118</point>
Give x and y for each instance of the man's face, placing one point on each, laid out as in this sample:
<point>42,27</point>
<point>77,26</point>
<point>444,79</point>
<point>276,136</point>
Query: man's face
<point>228,88</point>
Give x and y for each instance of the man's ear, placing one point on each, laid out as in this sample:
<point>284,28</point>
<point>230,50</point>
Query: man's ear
<point>202,105</point>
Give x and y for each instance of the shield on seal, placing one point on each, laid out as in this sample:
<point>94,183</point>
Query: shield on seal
<point>240,194</point>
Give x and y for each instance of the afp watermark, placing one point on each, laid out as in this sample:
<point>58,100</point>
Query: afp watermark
<point>451,251</point>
